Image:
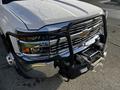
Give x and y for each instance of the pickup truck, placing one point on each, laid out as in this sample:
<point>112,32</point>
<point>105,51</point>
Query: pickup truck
<point>48,37</point>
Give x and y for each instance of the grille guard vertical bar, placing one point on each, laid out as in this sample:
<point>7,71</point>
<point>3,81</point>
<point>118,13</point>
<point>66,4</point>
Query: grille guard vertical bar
<point>105,28</point>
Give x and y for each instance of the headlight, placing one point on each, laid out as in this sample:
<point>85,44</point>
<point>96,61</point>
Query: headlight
<point>40,48</point>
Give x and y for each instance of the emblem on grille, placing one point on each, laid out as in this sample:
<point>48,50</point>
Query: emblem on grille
<point>85,33</point>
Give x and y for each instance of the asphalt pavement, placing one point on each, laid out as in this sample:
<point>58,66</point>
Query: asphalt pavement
<point>106,78</point>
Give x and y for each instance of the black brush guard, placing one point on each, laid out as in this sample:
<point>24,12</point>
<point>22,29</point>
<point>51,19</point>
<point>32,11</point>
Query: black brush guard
<point>69,67</point>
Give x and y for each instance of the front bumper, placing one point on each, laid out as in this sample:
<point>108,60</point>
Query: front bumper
<point>49,69</point>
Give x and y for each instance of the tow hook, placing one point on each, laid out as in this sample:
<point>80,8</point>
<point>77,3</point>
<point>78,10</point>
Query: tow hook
<point>10,59</point>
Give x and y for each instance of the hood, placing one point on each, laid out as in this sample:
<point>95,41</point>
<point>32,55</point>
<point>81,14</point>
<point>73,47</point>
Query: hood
<point>38,13</point>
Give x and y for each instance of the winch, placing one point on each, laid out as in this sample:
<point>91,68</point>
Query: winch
<point>82,62</point>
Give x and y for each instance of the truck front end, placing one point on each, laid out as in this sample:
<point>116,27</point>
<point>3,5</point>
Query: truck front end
<point>70,48</point>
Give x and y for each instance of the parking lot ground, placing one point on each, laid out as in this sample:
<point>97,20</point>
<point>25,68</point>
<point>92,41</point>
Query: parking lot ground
<point>106,78</point>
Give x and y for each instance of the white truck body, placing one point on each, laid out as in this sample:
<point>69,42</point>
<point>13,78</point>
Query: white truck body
<point>29,16</point>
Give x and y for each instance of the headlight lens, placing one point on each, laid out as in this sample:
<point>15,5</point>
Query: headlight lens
<point>40,48</point>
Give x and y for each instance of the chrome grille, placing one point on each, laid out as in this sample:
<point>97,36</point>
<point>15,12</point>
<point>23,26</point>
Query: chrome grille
<point>79,34</point>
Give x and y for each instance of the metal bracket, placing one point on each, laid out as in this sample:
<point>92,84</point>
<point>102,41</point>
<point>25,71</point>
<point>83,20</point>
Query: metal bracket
<point>10,59</point>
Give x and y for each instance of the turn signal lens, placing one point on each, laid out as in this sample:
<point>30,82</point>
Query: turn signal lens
<point>34,48</point>
<point>26,50</point>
